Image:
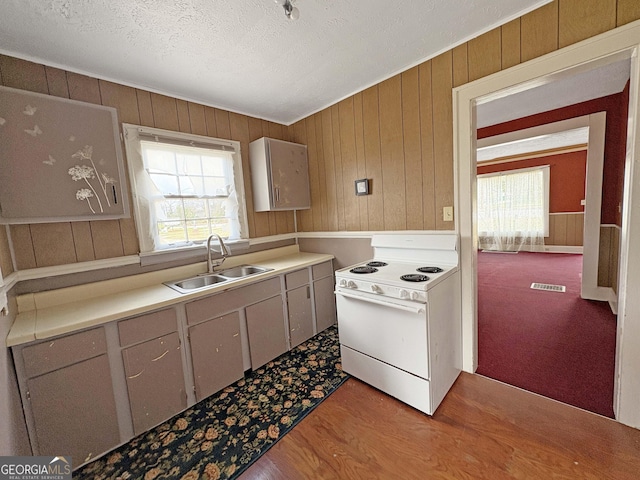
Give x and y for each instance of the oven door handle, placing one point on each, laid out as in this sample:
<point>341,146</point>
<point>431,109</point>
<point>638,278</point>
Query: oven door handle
<point>408,308</point>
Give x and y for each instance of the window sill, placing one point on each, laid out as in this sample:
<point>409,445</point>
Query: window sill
<point>188,252</point>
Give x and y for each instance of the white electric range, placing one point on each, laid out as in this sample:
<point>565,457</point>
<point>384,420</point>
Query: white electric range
<point>399,317</point>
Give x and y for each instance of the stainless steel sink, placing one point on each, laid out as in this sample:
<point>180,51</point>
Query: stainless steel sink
<point>203,281</point>
<point>194,283</point>
<point>243,271</point>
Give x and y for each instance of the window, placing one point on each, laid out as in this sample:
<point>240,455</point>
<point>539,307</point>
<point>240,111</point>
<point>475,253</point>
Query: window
<point>185,188</point>
<point>513,209</point>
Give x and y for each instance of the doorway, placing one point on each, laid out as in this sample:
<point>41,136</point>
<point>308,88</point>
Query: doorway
<point>604,49</point>
<point>535,329</point>
<point>553,137</point>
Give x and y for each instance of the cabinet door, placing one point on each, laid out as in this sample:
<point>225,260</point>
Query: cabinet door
<point>289,175</point>
<point>216,354</point>
<point>267,334</point>
<point>74,410</point>
<point>300,317</point>
<point>155,381</point>
<point>325,303</point>
<point>79,172</point>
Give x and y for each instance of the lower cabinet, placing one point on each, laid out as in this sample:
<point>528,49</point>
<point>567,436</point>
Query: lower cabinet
<point>325,302</point>
<point>68,394</point>
<point>216,354</point>
<point>153,367</point>
<point>88,391</point>
<point>260,306</point>
<point>324,299</point>
<point>300,315</point>
<point>155,381</point>
<point>299,306</point>
<point>266,331</point>
<point>74,410</point>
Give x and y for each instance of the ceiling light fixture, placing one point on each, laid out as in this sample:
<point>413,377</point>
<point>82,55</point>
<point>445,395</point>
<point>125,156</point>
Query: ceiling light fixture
<point>290,11</point>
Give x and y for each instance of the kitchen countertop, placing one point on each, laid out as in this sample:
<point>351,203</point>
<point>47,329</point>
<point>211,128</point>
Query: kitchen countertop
<point>44,315</point>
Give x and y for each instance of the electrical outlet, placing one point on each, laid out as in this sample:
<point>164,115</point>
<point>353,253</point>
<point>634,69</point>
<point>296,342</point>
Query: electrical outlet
<point>447,214</point>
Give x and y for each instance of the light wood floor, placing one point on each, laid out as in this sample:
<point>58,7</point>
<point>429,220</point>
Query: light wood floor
<point>482,430</point>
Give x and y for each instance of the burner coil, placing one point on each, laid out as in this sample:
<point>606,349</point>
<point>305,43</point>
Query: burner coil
<point>414,277</point>
<point>363,269</point>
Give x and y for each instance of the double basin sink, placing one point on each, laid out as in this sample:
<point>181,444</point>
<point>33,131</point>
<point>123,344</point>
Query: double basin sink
<point>206,280</point>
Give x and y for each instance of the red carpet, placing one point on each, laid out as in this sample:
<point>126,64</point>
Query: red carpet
<point>554,344</point>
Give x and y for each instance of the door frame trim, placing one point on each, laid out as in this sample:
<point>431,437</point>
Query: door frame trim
<point>614,45</point>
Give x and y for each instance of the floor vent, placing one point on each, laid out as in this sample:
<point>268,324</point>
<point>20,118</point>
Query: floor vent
<point>548,287</point>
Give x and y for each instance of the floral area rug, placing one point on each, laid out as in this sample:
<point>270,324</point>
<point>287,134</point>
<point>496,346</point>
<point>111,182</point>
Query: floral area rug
<point>222,435</point>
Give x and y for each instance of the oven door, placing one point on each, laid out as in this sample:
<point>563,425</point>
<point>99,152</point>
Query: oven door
<point>390,330</point>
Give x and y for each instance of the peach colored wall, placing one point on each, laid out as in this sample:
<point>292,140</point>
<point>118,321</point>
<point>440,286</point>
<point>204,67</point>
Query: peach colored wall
<point>567,173</point>
<point>616,107</point>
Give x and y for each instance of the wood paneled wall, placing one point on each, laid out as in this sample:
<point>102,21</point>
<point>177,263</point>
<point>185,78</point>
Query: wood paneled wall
<point>46,244</point>
<point>385,134</point>
<point>398,133</point>
<point>609,255</point>
<point>566,229</point>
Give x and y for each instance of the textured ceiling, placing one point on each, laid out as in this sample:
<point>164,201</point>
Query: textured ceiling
<point>245,55</point>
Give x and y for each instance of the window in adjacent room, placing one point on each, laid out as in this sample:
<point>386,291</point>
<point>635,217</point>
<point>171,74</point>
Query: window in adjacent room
<point>513,209</point>
<point>185,188</point>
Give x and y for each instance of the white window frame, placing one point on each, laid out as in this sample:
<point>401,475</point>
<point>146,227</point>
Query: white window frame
<point>149,252</point>
<point>545,178</point>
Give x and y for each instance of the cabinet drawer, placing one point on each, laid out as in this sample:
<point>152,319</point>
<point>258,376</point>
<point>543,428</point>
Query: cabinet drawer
<point>322,270</point>
<point>146,327</point>
<point>216,305</point>
<point>297,278</point>
<point>63,351</point>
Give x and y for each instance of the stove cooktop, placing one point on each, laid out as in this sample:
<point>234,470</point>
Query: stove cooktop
<point>404,266</point>
<point>400,274</point>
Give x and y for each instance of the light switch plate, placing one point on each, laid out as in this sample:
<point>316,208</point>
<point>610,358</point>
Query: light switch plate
<point>447,214</point>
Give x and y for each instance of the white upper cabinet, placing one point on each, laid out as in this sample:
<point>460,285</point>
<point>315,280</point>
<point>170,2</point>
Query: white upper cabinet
<point>60,160</point>
<point>279,175</point>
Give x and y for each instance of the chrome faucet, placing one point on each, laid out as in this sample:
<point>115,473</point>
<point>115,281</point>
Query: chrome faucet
<point>211,264</point>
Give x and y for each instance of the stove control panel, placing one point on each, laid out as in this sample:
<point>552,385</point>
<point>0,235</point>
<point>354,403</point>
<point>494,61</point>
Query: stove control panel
<point>384,290</point>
